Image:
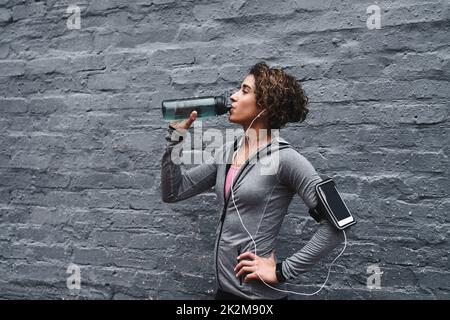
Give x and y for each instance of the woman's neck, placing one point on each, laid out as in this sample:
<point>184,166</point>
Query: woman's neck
<point>257,135</point>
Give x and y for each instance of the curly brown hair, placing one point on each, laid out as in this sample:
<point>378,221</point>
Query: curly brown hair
<point>281,94</point>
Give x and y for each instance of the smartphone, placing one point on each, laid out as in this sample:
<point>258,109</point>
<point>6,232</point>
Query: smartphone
<point>333,204</point>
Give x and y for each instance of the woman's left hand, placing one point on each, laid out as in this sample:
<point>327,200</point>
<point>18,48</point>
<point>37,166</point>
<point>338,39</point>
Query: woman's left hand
<point>257,267</point>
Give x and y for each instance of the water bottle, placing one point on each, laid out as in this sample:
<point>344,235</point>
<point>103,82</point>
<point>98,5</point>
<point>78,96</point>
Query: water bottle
<point>210,106</point>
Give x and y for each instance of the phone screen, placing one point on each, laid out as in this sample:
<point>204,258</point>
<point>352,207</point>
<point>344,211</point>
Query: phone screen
<point>334,201</point>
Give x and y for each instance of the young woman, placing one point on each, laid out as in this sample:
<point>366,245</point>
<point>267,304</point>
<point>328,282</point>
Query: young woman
<point>252,204</point>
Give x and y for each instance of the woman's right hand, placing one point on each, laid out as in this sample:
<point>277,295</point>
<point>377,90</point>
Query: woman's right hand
<point>184,124</point>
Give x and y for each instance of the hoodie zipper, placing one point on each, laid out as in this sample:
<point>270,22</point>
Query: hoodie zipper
<point>222,219</point>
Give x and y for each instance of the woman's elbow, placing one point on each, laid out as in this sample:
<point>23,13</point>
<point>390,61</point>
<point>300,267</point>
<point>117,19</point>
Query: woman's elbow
<point>167,199</point>
<point>167,196</point>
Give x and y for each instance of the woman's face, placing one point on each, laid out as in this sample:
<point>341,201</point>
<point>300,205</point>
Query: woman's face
<point>243,102</point>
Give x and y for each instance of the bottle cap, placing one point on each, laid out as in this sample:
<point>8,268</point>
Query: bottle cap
<point>221,104</point>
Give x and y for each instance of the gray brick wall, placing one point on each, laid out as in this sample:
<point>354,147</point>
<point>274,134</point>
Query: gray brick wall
<point>81,138</point>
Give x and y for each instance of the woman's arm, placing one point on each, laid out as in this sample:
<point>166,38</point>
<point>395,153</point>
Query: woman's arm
<point>177,183</point>
<point>326,238</point>
<point>297,172</point>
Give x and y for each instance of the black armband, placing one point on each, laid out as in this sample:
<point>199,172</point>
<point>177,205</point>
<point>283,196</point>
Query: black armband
<point>331,206</point>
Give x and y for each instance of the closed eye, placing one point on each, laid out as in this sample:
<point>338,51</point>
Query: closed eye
<point>245,91</point>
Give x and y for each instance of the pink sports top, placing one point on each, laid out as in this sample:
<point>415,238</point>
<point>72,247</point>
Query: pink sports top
<point>231,173</point>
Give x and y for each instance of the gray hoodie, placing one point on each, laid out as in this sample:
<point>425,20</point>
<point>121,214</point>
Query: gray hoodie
<point>262,197</point>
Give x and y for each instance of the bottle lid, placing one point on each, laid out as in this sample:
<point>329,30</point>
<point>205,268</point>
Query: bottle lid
<point>221,104</point>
